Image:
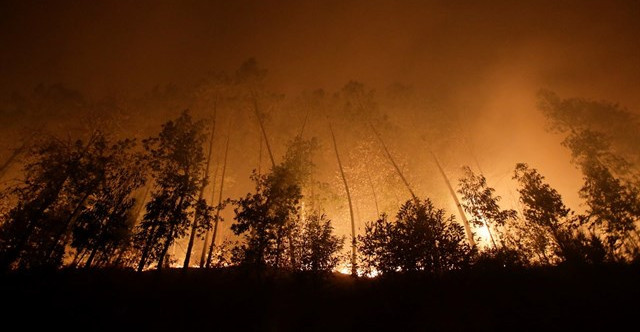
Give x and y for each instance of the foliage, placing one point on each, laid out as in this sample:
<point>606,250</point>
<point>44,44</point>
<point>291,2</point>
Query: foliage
<point>268,217</point>
<point>73,192</point>
<point>319,247</point>
<point>543,207</point>
<point>613,203</point>
<point>265,218</point>
<point>602,138</point>
<point>177,160</point>
<point>480,201</point>
<point>422,238</point>
<point>574,115</point>
<point>105,225</point>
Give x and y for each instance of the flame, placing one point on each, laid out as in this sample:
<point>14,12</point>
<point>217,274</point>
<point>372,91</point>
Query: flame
<point>483,234</point>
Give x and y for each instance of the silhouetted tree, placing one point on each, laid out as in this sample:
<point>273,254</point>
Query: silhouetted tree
<point>603,138</point>
<point>176,159</point>
<point>194,224</point>
<point>267,217</point>
<point>59,175</point>
<point>262,217</point>
<point>543,207</point>
<point>574,115</point>
<point>479,201</point>
<point>422,238</point>
<point>105,226</point>
<point>613,203</point>
<point>319,247</point>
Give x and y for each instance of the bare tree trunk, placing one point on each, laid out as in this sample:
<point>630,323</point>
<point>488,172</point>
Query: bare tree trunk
<point>465,221</point>
<point>192,237</point>
<point>264,133</point>
<point>260,156</point>
<point>167,244</point>
<point>91,257</point>
<point>77,258</point>
<point>386,150</point>
<point>486,225</point>
<point>215,225</point>
<point>147,249</point>
<point>354,268</point>
<point>205,244</point>
<point>373,191</point>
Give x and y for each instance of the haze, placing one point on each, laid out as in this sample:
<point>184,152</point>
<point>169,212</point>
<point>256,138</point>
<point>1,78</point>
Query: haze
<point>477,64</point>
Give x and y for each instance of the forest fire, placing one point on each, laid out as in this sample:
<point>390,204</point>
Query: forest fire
<point>251,159</point>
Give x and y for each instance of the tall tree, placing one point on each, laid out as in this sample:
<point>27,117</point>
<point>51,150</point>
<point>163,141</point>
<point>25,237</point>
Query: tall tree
<point>613,203</point>
<point>543,207</point>
<point>218,207</point>
<point>267,217</point>
<point>463,217</point>
<point>177,162</point>
<point>57,177</point>
<point>354,268</point>
<point>106,223</point>
<point>194,224</point>
<point>480,201</point>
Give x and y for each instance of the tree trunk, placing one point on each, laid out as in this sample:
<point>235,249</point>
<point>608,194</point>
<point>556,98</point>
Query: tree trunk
<point>46,198</point>
<point>66,228</point>
<point>373,191</point>
<point>146,249</point>
<point>465,221</point>
<point>77,258</point>
<point>91,257</point>
<point>264,133</point>
<point>192,237</point>
<point>167,244</point>
<point>215,225</point>
<point>205,244</point>
<point>490,234</point>
<point>354,269</point>
<point>386,150</point>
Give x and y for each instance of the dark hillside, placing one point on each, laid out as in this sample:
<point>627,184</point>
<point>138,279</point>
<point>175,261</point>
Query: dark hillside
<point>535,299</point>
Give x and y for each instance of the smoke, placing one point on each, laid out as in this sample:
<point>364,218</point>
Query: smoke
<point>469,71</point>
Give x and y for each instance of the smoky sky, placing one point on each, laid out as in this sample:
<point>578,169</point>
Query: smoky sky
<point>584,47</point>
<point>483,60</point>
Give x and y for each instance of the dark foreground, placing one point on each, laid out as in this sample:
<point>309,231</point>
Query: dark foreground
<point>541,299</point>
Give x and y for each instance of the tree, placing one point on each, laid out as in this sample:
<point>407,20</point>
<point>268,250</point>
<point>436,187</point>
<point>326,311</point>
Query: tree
<point>422,238</point>
<point>58,177</point>
<point>543,207</point>
<point>602,137</point>
<point>262,217</point>
<point>318,245</point>
<point>573,115</point>
<point>105,225</point>
<point>268,217</point>
<point>481,203</point>
<point>354,267</point>
<point>613,203</point>
<point>176,159</point>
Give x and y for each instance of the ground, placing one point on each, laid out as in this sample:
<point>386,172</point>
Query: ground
<point>558,298</point>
